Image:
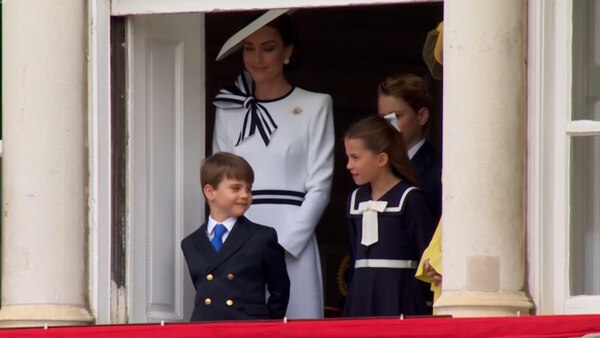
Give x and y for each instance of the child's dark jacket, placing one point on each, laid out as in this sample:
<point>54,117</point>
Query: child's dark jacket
<point>230,284</point>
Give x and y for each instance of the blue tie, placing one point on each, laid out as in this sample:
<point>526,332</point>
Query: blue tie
<point>217,240</point>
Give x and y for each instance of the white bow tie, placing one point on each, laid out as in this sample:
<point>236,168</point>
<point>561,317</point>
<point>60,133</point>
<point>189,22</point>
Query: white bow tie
<point>370,224</point>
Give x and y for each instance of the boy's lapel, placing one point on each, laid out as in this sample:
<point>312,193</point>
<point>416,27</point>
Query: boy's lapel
<point>423,158</point>
<point>205,246</point>
<point>238,236</point>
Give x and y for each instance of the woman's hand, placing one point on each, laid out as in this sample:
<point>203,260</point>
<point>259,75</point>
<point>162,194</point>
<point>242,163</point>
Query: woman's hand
<point>431,273</point>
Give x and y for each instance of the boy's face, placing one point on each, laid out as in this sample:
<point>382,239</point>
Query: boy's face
<point>231,198</point>
<point>411,123</point>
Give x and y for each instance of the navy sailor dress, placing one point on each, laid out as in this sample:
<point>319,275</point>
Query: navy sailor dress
<point>382,275</point>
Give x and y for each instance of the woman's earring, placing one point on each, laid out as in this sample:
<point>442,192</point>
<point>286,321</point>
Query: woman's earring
<point>286,61</point>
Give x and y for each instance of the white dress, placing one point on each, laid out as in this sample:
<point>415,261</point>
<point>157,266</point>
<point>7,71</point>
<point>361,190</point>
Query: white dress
<point>293,167</point>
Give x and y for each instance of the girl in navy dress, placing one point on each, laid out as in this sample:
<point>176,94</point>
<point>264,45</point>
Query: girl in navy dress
<point>389,222</point>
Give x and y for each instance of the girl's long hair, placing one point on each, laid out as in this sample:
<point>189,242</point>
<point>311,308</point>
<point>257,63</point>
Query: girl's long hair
<point>379,137</point>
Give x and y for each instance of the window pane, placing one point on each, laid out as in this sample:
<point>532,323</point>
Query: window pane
<point>585,216</point>
<point>586,60</point>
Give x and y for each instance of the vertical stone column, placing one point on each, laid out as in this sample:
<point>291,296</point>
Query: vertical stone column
<point>484,158</point>
<point>44,251</point>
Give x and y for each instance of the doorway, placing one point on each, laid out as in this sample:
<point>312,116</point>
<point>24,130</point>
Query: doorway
<point>346,52</point>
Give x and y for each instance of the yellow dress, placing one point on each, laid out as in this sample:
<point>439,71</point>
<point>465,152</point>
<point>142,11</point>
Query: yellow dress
<point>434,253</point>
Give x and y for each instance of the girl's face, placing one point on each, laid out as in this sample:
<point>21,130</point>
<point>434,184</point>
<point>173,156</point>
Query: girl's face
<point>364,165</point>
<point>264,54</point>
<point>411,123</point>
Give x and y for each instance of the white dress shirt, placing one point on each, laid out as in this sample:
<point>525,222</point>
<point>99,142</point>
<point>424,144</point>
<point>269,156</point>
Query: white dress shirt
<point>413,150</point>
<point>210,227</point>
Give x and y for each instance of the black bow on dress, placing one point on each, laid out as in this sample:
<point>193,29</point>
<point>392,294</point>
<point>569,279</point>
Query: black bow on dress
<point>239,95</point>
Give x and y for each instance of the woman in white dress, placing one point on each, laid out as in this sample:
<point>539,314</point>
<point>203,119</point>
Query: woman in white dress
<point>286,134</point>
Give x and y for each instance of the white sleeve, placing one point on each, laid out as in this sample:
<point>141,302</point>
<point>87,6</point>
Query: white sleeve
<point>318,180</point>
<point>221,141</point>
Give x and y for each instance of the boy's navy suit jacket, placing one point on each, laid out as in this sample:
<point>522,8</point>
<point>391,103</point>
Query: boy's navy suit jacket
<point>428,165</point>
<point>230,284</point>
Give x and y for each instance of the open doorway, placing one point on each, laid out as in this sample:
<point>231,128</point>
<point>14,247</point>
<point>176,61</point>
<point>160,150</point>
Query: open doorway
<point>345,52</point>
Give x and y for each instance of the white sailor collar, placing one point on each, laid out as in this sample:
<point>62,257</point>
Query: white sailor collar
<point>363,193</point>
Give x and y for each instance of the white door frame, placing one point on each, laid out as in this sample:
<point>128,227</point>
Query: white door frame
<point>131,7</point>
<point>99,141</point>
<point>549,107</point>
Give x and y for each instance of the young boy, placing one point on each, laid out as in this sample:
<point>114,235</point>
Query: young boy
<point>231,260</point>
<point>406,96</point>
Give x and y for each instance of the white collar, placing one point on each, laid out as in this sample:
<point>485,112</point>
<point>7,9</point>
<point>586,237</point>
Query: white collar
<point>413,150</point>
<point>355,210</point>
<point>228,223</point>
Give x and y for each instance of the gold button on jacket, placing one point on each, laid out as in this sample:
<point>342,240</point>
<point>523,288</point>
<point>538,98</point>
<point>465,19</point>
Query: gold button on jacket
<point>209,277</point>
<point>230,276</point>
<point>207,301</point>
<point>229,302</point>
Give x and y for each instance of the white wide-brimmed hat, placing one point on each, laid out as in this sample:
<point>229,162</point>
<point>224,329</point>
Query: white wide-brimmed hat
<point>235,41</point>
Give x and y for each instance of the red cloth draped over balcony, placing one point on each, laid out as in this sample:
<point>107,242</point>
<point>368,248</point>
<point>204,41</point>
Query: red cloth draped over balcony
<point>528,326</point>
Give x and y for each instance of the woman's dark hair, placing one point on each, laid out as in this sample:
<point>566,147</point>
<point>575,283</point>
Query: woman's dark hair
<point>283,24</point>
<point>289,36</point>
<point>378,136</point>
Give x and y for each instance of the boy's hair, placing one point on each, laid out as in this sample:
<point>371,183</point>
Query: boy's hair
<point>222,165</point>
<point>408,87</point>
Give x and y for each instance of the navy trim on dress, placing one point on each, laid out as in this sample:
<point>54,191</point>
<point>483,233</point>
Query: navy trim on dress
<point>278,192</point>
<point>278,197</point>
<point>239,96</point>
<point>277,201</point>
